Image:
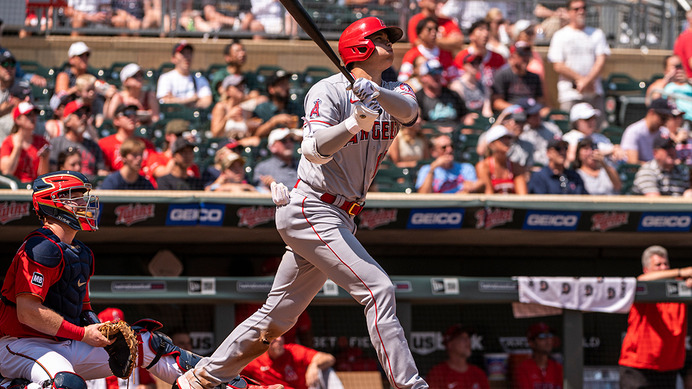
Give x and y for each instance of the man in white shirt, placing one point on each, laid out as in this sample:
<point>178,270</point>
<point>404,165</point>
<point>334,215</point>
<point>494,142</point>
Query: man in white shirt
<point>179,86</point>
<point>578,54</point>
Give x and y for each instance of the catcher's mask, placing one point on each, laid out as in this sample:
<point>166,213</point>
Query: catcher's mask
<point>65,196</point>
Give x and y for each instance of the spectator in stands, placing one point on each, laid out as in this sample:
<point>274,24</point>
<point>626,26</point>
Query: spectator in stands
<point>578,54</point>
<point>520,152</point>
<point>8,66</point>
<point>352,358</point>
<point>497,173</point>
<point>228,118</point>
<point>449,38</point>
<point>86,13</point>
<point>678,132</point>
<point>427,47</point>
<point>653,350</point>
<point>24,154</point>
<point>439,104</point>
<point>410,146</point>
<point>638,138</point>
<point>294,366</point>
<point>525,31</point>
<point>270,18</point>
<point>672,67</point>
<point>55,126</point>
<point>180,85</point>
<point>70,159</point>
<point>456,371</point>
<point>78,64</point>
<point>661,176</point>
<point>235,57</point>
<point>683,45</point>
<point>75,122</point>
<point>279,111</point>
<point>282,166</point>
<point>599,177</point>
<point>181,338</point>
<point>32,78</point>
<point>466,12</point>
<point>132,93</point>
<point>183,157</point>
<point>541,370</point>
<point>231,175</point>
<point>95,99</point>
<point>537,131</point>
<point>224,14</point>
<point>127,14</point>
<point>128,177</point>
<point>584,119</point>
<point>491,61</point>
<point>679,90</point>
<point>554,178</point>
<point>444,175</point>
<point>497,38</point>
<point>124,122</point>
<point>140,378</point>
<point>475,94</point>
<point>513,82</point>
<point>161,164</point>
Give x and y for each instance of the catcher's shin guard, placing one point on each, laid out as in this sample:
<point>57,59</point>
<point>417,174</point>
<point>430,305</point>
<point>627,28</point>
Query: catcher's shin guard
<point>67,380</point>
<point>161,345</point>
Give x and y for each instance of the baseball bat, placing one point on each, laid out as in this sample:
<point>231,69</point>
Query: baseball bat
<point>308,25</point>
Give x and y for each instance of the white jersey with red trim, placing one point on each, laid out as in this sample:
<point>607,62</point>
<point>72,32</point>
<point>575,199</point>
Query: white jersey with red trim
<point>353,168</point>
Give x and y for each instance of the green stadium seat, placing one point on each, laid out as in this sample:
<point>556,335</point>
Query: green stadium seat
<point>623,83</point>
<point>394,179</point>
<point>179,111</point>
<point>312,74</point>
<point>627,171</point>
<point>613,133</point>
<point>213,68</point>
<point>107,128</point>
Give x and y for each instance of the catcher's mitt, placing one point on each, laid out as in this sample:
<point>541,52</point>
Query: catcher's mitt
<point>122,353</point>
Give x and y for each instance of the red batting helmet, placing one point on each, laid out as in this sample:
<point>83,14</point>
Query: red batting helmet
<point>64,196</point>
<point>354,44</point>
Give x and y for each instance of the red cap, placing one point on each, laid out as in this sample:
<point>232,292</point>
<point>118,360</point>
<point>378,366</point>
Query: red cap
<point>22,108</point>
<point>537,329</point>
<point>71,107</point>
<point>455,330</point>
<point>111,314</point>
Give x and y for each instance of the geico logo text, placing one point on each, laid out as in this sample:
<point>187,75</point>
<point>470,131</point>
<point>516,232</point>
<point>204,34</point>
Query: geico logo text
<point>203,215</point>
<point>552,220</point>
<point>437,218</point>
<point>667,221</point>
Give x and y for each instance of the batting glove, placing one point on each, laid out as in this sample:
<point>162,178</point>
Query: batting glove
<point>280,195</point>
<point>364,116</point>
<point>365,90</point>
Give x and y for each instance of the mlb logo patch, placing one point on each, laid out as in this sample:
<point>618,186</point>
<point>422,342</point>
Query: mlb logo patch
<point>37,279</point>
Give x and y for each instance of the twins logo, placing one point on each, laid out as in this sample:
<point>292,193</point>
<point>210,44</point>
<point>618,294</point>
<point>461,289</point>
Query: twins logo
<point>10,211</point>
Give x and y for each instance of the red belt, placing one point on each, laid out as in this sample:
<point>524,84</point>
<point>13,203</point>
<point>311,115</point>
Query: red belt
<point>352,208</point>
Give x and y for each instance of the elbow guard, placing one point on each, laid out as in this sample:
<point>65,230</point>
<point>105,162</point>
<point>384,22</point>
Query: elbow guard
<point>309,149</point>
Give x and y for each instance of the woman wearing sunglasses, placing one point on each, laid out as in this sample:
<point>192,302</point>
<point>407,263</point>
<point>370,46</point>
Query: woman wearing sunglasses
<point>24,154</point>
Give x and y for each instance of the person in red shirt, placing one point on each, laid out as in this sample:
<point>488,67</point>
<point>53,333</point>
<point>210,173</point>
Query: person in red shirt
<point>479,33</point>
<point>653,350</point>
<point>294,367</point>
<point>427,37</point>
<point>449,38</point>
<point>683,46</point>
<point>24,154</point>
<point>540,371</point>
<point>124,121</point>
<point>456,372</point>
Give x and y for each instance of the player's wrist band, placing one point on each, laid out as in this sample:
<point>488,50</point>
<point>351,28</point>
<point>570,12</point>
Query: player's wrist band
<point>68,330</point>
<point>352,125</point>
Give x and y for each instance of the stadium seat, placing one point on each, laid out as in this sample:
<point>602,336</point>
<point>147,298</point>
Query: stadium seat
<point>627,171</point>
<point>10,182</point>
<point>36,68</point>
<point>623,83</point>
<point>41,95</point>
<point>312,74</point>
<point>163,68</point>
<point>613,133</point>
<point>262,74</point>
<point>213,68</point>
<point>179,111</point>
<point>114,73</point>
<point>394,179</point>
<point>107,128</point>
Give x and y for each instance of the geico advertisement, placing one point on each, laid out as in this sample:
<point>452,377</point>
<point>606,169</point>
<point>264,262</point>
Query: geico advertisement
<point>435,218</point>
<point>195,214</point>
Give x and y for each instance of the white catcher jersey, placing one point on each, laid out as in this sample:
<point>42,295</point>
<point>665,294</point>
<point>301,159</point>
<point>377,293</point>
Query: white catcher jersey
<point>352,168</point>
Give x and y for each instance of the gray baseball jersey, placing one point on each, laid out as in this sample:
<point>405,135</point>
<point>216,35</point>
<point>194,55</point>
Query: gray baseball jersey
<point>321,245</point>
<point>353,168</point>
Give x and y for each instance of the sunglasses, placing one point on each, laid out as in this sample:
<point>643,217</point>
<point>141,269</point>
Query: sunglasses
<point>577,9</point>
<point>138,75</point>
<point>129,112</point>
<point>544,335</point>
<point>85,55</point>
<point>82,112</point>
<point>560,149</point>
<point>8,64</point>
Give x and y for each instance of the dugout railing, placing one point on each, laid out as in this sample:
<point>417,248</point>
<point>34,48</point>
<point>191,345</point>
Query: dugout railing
<point>224,293</point>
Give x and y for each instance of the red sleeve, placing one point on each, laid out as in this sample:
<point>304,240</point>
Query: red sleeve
<point>411,30</point>
<point>448,26</point>
<point>301,353</point>
<point>521,376</point>
<point>7,146</point>
<point>411,55</point>
<point>459,59</point>
<point>34,278</point>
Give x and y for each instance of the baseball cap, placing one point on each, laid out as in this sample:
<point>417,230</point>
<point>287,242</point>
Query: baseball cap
<point>664,107</point>
<point>453,331</point>
<point>496,132</point>
<point>78,48</point>
<point>522,48</point>
<point>128,71</point>
<point>663,143</point>
<point>515,112</point>
<point>7,56</point>
<point>432,67</point>
<point>72,107</point>
<point>530,105</point>
<point>124,107</point>
<point>232,80</point>
<point>538,329</point>
<point>180,144</point>
<point>276,77</point>
<point>22,108</point>
<point>177,126</point>
<point>111,314</point>
<point>180,46</point>
<point>557,143</point>
<point>20,90</point>
<point>582,111</point>
<point>471,58</point>
<point>230,159</point>
<point>522,25</point>
<point>277,135</point>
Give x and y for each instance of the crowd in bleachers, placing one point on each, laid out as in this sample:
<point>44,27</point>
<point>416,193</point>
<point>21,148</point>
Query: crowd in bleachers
<point>485,120</point>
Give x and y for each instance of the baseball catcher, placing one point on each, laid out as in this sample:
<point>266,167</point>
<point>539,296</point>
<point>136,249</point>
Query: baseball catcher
<point>49,335</point>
